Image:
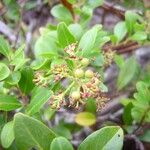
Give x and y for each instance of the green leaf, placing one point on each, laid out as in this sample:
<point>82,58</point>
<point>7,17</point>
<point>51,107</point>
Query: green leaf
<point>46,45</point>
<point>76,30</point>
<point>90,105</point>
<point>146,136</point>
<point>107,138</point>
<point>85,16</point>
<point>62,13</point>
<point>103,87</point>
<point>40,63</point>
<point>7,135</point>
<point>85,119</point>
<point>26,81</point>
<point>120,31</point>
<point>139,36</point>
<point>119,60</point>
<point>99,60</point>
<point>61,130</point>
<point>30,133</point>
<point>40,97</point>
<point>5,48</point>
<point>127,72</point>
<point>18,59</point>
<point>127,117</point>
<point>88,40</point>
<point>65,37</point>
<point>130,19</point>
<point>72,1</point>
<point>95,3</point>
<point>8,103</point>
<point>61,143</point>
<point>14,78</point>
<point>4,71</point>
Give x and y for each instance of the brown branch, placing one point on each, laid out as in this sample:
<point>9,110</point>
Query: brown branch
<point>68,6</point>
<point>109,8</point>
<point>122,47</point>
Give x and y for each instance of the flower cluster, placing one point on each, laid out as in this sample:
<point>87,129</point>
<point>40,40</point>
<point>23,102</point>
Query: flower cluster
<point>108,57</point>
<point>83,83</point>
<point>59,71</point>
<point>40,80</point>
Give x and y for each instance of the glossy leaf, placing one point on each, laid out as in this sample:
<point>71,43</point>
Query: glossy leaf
<point>26,81</point>
<point>14,78</point>
<point>5,48</point>
<point>30,133</point>
<point>46,45</point>
<point>95,3</point>
<point>40,97</point>
<point>127,117</point>
<point>4,71</point>
<point>65,37</point>
<point>127,72</point>
<point>88,40</point>
<point>76,30</point>
<point>85,16</point>
<point>61,130</point>
<point>107,138</point>
<point>7,135</point>
<point>18,60</point>
<point>62,13</point>
<point>139,36</point>
<point>8,103</point>
<point>130,19</point>
<point>119,60</point>
<point>61,143</point>
<point>120,30</point>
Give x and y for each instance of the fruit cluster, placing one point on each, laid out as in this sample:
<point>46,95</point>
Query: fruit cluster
<point>84,83</point>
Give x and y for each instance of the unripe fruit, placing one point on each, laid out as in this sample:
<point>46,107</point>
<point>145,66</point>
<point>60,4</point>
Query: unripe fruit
<point>85,62</point>
<point>89,74</point>
<point>79,73</point>
<point>75,95</point>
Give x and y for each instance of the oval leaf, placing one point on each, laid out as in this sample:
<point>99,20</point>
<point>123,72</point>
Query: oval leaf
<point>7,135</point>
<point>62,13</point>
<point>61,143</point>
<point>65,37</point>
<point>8,103</point>
<point>127,72</point>
<point>4,71</point>
<point>120,30</point>
<point>88,40</point>
<point>14,78</point>
<point>26,81</point>
<point>30,133</point>
<point>107,138</point>
<point>46,45</point>
<point>40,97</point>
<point>5,48</point>
<point>85,119</point>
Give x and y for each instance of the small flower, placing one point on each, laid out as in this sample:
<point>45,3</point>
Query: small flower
<point>108,57</point>
<point>56,101</point>
<point>101,102</point>
<point>70,50</point>
<point>40,80</point>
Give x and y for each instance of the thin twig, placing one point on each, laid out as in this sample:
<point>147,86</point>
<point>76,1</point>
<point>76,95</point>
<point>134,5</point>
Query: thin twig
<point>110,8</point>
